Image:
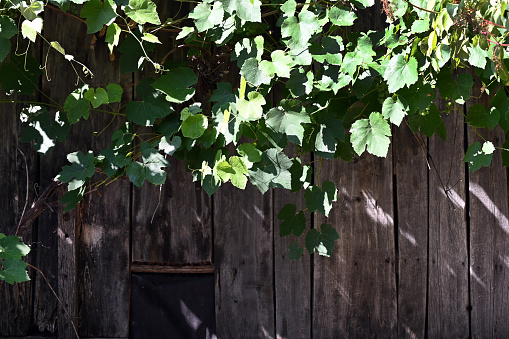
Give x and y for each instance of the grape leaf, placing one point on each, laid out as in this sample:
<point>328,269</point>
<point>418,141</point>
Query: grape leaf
<point>150,168</point>
<point>419,97</point>
<point>295,252</point>
<point>30,28</point>
<point>176,84</point>
<point>456,90</point>
<point>478,116</point>
<point>194,126</point>
<point>342,16</point>
<point>21,75</point>
<point>251,109</point>
<point>271,171</point>
<point>13,271</point>
<point>321,199</point>
<point>249,10</point>
<point>394,109</point>
<point>428,122</point>
<point>292,222</point>
<point>72,198</point>
<point>281,64</point>
<point>12,248</point>
<point>331,131</point>
<point>300,83</point>
<point>114,93</point>
<point>299,30</point>
<point>144,113</point>
<point>322,240</point>
<point>253,74</point>
<point>329,49</point>
<point>98,14</point>
<point>97,98</point>
<point>143,11</point>
<point>371,134</point>
<point>399,72</point>
<point>207,16</point>
<point>82,168</point>
<point>43,129</point>
<point>288,119</point>
<point>77,106</point>
<point>478,156</point>
<point>477,56</point>
<point>133,57</point>
<point>8,29</point>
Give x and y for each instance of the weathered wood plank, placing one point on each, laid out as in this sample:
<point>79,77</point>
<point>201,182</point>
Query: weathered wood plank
<point>292,278</point>
<point>102,223</point>
<point>172,223</point>
<point>489,241</point>
<point>411,172</point>
<point>243,257</point>
<point>149,268</point>
<point>15,300</point>
<point>355,289</point>
<point>447,257</point>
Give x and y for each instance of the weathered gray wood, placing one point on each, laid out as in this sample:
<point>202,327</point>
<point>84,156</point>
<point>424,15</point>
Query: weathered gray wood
<point>489,241</point>
<point>102,222</point>
<point>243,250</point>
<point>292,278</point>
<point>411,170</point>
<point>67,283</point>
<point>15,300</point>
<point>447,258</point>
<point>355,289</point>
<point>172,223</point>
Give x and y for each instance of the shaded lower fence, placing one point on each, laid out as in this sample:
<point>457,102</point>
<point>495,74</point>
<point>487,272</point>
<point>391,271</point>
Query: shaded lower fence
<point>423,252</point>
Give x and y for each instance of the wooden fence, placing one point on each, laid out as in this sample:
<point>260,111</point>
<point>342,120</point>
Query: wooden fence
<point>423,248</point>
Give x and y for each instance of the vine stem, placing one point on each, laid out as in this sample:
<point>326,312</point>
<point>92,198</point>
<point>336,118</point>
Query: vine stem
<point>56,296</point>
<point>27,190</point>
<point>422,9</point>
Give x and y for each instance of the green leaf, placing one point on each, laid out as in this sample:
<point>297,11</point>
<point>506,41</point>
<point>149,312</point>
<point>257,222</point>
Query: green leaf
<point>342,16</point>
<point>456,90</point>
<point>194,126</point>
<point>428,122</point>
<point>478,156</point>
<point>295,252</point>
<point>29,29</point>
<point>418,96</point>
<point>250,154</point>
<point>299,30</point>
<point>399,72</point>
<point>253,74</point>
<point>300,83</point>
<point>249,10</point>
<point>145,113</point>
<point>321,199</point>
<point>114,93</point>
<point>372,133</point>
<point>98,14</point>
<point>288,119</point>
<point>21,75</point>
<point>420,26</point>
<point>477,57</point>
<point>281,64</point>
<point>501,103</point>
<point>8,29</point>
<point>169,147</point>
<point>72,198</point>
<point>207,16</point>
<point>12,248</point>
<point>176,84</point>
<point>394,110</point>
<point>238,178</point>
<point>150,168</point>
<point>143,11</point>
<point>271,171</point>
<point>43,129</point>
<point>77,106</point>
<point>292,222</point>
<point>251,109</point>
<point>133,57</point>
<point>97,98</point>
<point>322,240</point>
<point>13,271</point>
<point>82,168</point>
<point>329,50</point>
<point>331,132</point>
<point>478,116</point>
<point>246,49</point>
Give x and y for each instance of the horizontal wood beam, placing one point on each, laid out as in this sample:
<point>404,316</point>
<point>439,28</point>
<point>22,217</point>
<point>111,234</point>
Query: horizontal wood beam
<point>172,268</point>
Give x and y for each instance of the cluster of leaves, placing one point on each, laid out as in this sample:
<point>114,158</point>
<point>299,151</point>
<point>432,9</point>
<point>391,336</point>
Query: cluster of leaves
<point>12,267</point>
<point>340,90</point>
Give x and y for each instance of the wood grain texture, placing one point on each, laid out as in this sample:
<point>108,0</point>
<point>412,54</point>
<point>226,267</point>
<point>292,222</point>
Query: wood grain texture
<point>448,261</point>
<point>411,171</point>
<point>172,223</point>
<point>15,300</point>
<point>292,278</point>
<point>355,289</point>
<point>489,241</point>
<point>243,250</point>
